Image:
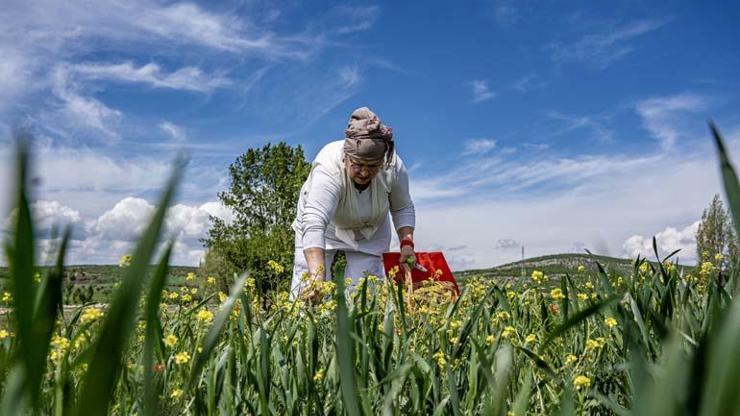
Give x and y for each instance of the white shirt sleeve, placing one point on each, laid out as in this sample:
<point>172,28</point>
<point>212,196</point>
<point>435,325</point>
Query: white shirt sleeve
<point>401,205</point>
<point>321,199</point>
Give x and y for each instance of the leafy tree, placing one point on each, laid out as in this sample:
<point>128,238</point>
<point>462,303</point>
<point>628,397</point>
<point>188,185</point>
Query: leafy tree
<point>715,238</point>
<point>262,195</point>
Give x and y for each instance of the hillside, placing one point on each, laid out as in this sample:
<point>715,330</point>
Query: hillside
<point>553,265</point>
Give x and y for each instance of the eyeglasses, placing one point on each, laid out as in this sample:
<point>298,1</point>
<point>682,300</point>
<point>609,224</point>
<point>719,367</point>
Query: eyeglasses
<point>357,166</point>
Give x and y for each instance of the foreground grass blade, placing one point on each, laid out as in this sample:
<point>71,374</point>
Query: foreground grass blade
<point>104,367</point>
<point>578,318</point>
<point>153,331</point>
<point>345,355</point>
<point>729,178</point>
<point>218,323</point>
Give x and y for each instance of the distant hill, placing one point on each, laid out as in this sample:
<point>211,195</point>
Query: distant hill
<point>553,265</point>
<point>97,280</point>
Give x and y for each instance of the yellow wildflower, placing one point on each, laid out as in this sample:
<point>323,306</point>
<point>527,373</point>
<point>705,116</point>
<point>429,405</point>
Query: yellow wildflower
<point>194,290</point>
<point>610,322</point>
<point>124,261</point>
<point>440,357</point>
<point>719,257</point>
<point>570,359</point>
<point>190,277</point>
<point>581,268</point>
<point>170,340</point>
<point>490,339</point>
<point>530,338</point>
<point>7,297</point>
<point>582,296</point>
<point>509,332</point>
<point>186,298</point>
<point>182,357</point>
<point>222,297</point>
<point>211,280</point>
<point>557,294</point>
<point>91,314</point>
<point>275,266</point>
<point>319,376</point>
<point>511,295</point>
<point>204,315</point>
<point>538,277</point>
<point>173,296</point>
<point>581,381</point>
<point>4,334</point>
<point>176,393</point>
<point>644,268</point>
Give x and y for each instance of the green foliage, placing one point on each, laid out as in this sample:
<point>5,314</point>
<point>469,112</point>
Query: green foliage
<point>716,241</point>
<point>263,194</point>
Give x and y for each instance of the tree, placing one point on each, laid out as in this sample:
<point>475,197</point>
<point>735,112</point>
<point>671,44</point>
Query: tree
<point>263,193</point>
<point>715,238</point>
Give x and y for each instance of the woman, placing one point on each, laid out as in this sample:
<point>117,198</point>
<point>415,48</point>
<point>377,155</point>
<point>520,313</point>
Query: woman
<point>344,204</point>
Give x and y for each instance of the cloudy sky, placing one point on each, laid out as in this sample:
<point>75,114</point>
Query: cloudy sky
<point>551,125</point>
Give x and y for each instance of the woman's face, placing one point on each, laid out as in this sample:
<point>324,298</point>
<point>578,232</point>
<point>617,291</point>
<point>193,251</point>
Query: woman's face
<point>362,171</point>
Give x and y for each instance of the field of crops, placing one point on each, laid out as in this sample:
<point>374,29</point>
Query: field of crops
<point>656,340</point>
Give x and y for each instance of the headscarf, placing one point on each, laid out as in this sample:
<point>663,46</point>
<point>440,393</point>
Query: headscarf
<point>367,138</point>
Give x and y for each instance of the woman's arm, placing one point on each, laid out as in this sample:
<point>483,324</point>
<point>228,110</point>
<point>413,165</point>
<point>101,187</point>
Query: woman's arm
<point>321,199</point>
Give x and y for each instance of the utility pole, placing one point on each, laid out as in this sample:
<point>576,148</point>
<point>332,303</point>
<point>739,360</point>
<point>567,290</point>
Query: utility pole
<point>524,273</point>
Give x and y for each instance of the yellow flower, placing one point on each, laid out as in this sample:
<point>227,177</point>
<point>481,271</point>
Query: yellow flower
<point>176,393</point>
<point>211,280</point>
<point>509,332</point>
<point>204,315</point>
<point>490,339</point>
<point>190,276</point>
<point>124,261</point>
<point>557,294</point>
<point>91,314</point>
<point>186,298</point>
<point>174,295</point>
<point>644,268</point>
<point>581,268</point>
<point>570,359</point>
<point>318,376</point>
<point>719,257</point>
<point>275,266</point>
<point>4,334</point>
<point>610,322</point>
<point>582,296</point>
<point>439,356</point>
<point>182,357</point>
<point>170,340</point>
<point>7,297</point>
<point>511,295</point>
<point>538,277</point>
<point>530,338</point>
<point>581,381</point>
<point>194,290</point>
<point>222,297</point>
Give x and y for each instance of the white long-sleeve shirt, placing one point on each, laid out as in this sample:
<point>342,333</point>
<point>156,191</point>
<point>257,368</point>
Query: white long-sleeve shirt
<point>333,214</point>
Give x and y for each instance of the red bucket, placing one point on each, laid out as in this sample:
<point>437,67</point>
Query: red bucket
<point>429,265</point>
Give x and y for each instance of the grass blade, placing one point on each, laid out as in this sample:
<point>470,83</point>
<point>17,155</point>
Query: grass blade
<point>105,364</point>
<point>153,335</point>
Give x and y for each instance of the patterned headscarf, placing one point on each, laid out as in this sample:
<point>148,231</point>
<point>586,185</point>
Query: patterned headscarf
<point>367,138</point>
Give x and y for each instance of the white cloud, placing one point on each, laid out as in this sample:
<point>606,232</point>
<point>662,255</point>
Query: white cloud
<point>528,83</point>
<point>481,92</point>
<point>478,146</point>
<point>603,49</point>
<point>187,78</point>
<point>352,19</point>
<point>83,111</point>
<point>350,76</point>
<point>665,117</point>
<point>173,130</point>
<point>125,221</point>
<point>595,124</point>
<point>668,240</point>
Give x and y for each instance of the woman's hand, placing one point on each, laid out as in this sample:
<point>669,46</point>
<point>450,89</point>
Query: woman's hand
<point>408,258</point>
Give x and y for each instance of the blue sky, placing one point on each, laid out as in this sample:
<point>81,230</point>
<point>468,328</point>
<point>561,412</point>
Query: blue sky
<point>556,126</point>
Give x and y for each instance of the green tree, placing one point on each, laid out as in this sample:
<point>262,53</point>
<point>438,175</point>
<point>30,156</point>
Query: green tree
<point>263,194</point>
<point>715,238</point>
